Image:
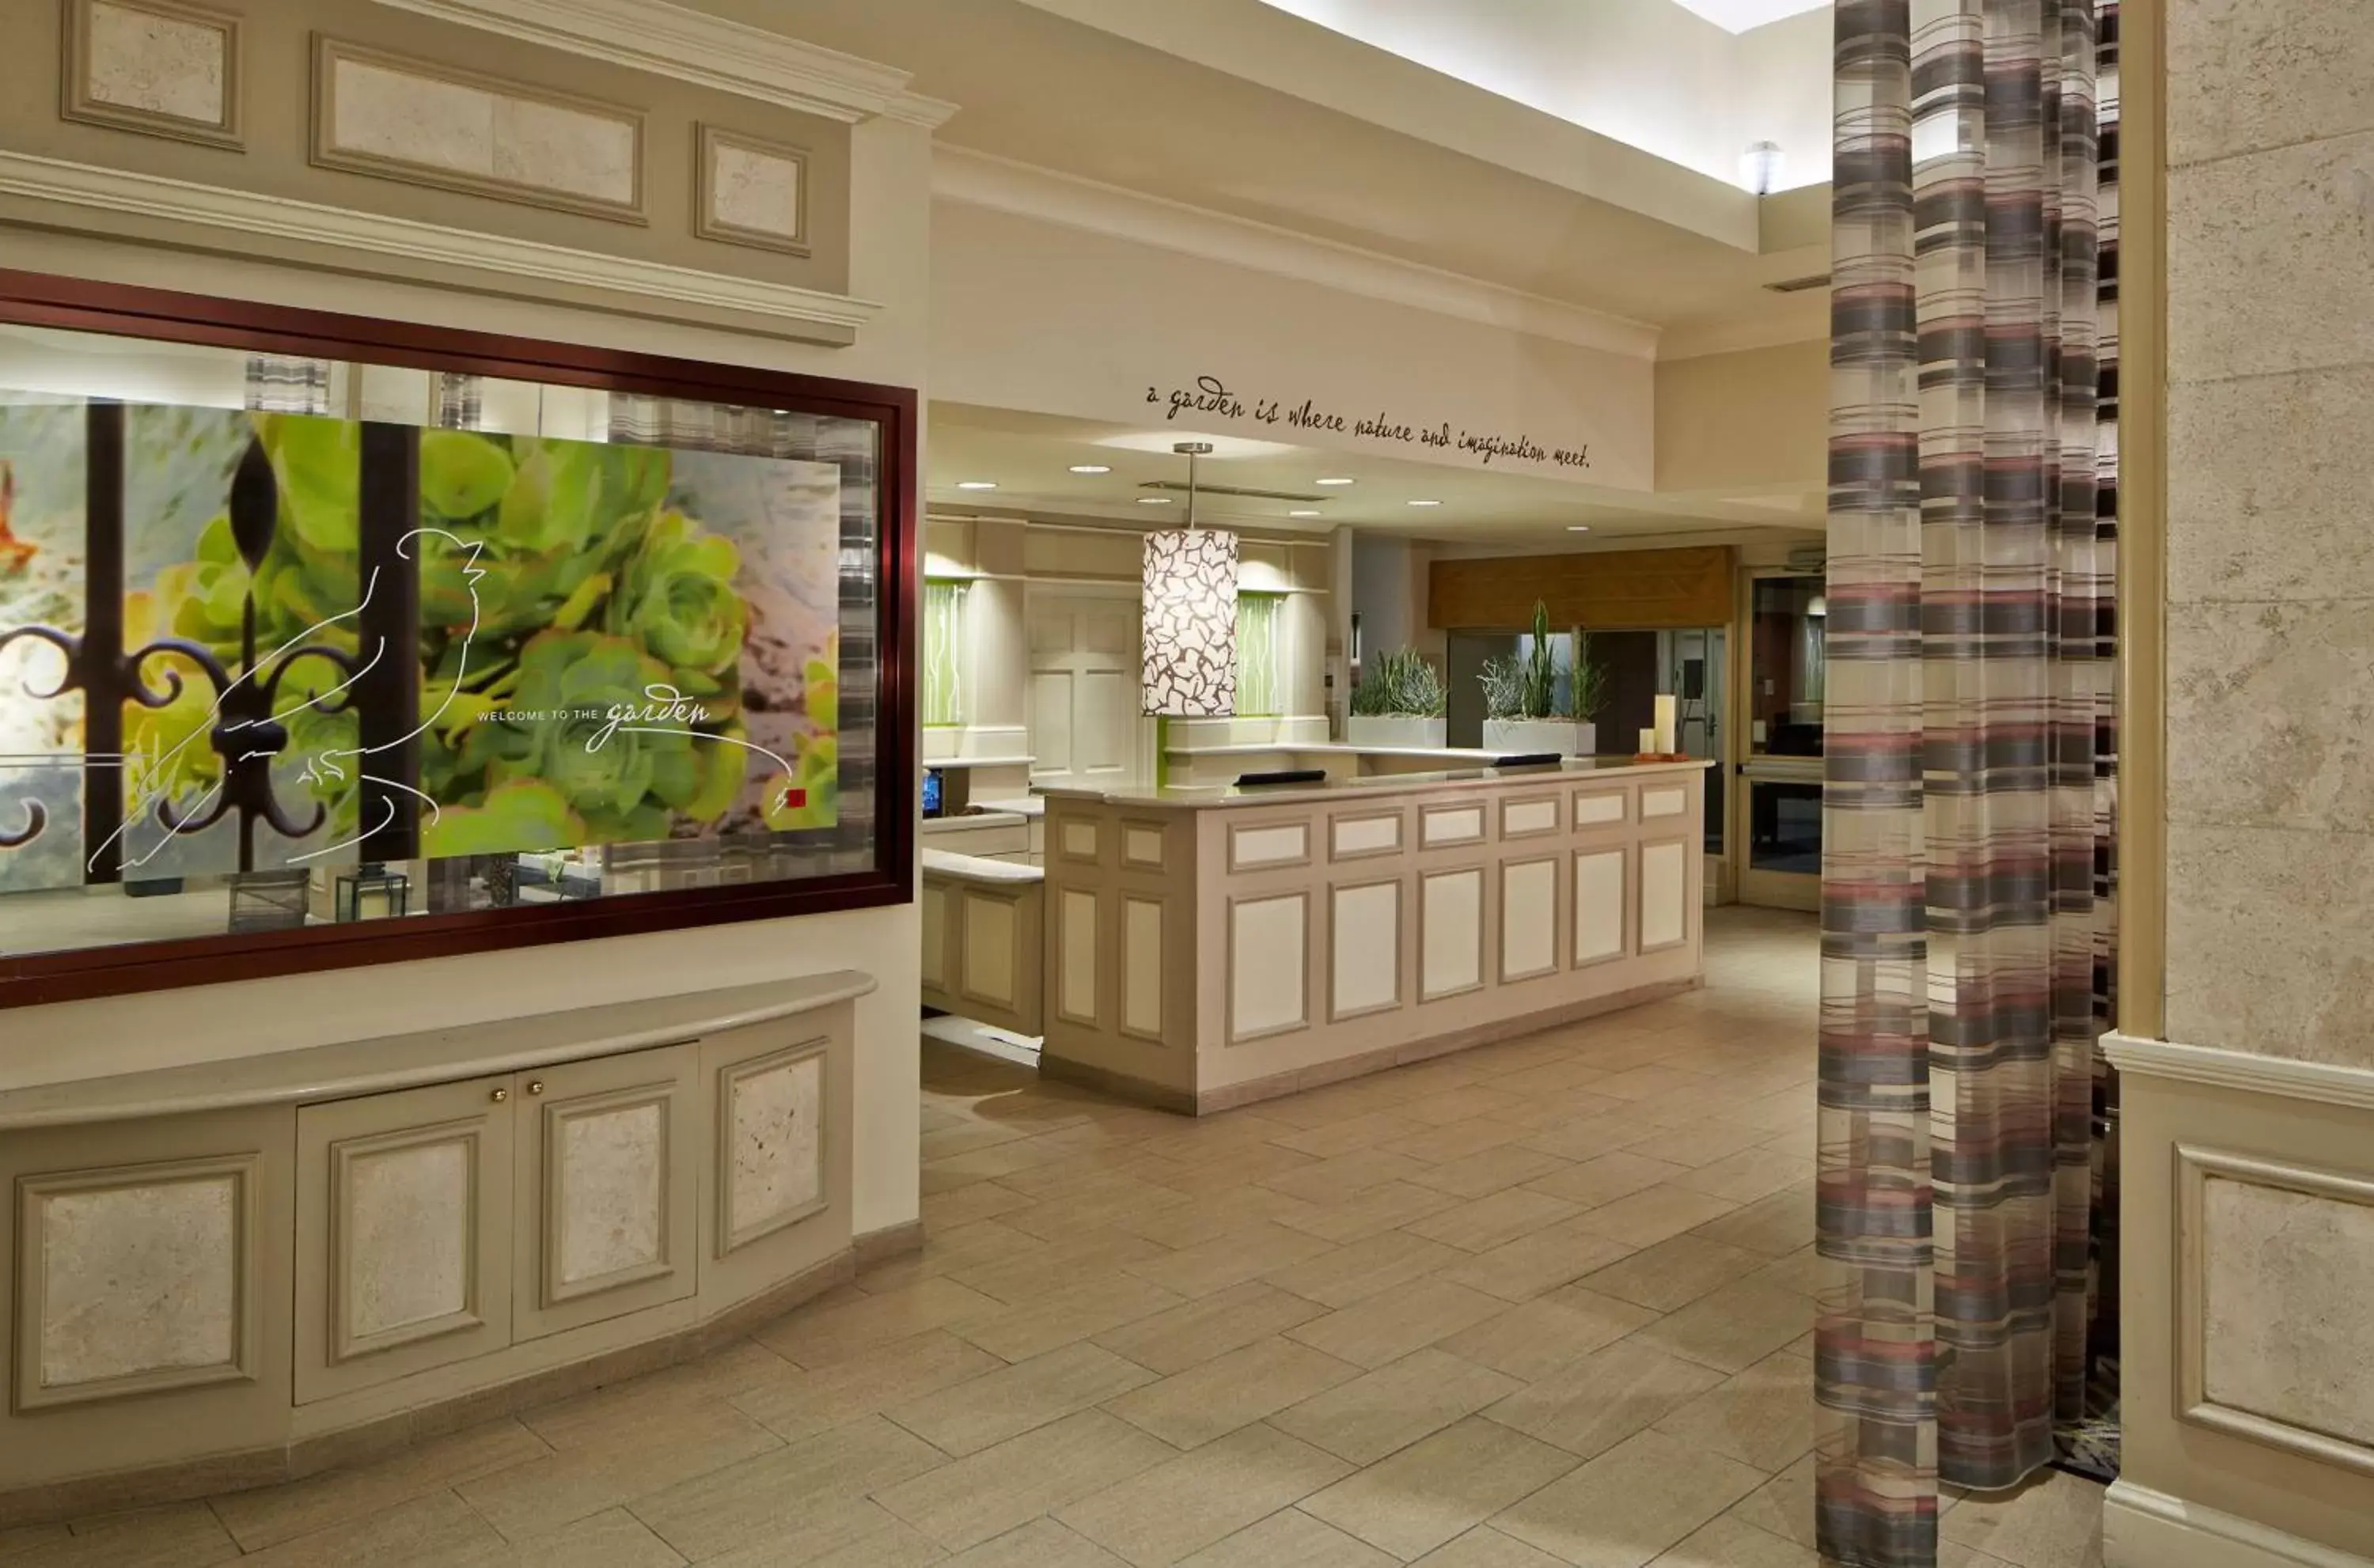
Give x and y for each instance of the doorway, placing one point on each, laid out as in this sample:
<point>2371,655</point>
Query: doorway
<point>1085,730</point>
<point>1778,814</point>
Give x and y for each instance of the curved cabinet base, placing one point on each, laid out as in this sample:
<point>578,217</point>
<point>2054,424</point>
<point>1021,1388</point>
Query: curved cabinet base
<point>304,1269</point>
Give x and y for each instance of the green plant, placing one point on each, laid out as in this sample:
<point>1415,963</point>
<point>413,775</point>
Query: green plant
<point>560,590</point>
<point>1399,684</point>
<point>1590,694</point>
<point>1526,688</point>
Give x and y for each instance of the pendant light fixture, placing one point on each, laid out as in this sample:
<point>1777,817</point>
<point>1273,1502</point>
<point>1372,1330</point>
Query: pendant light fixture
<point>1188,613</point>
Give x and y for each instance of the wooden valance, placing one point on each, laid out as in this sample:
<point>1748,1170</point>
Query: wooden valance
<point>1602,592</point>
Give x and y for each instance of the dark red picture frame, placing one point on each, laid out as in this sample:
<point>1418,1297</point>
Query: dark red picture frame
<point>38,300</point>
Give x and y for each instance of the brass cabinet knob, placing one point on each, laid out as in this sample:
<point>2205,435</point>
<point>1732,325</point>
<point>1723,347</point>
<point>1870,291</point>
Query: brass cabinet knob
<point>499,1096</point>
<point>536,1085</point>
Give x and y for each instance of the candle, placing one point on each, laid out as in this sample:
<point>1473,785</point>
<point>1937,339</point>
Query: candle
<point>1666,713</point>
<point>1647,742</point>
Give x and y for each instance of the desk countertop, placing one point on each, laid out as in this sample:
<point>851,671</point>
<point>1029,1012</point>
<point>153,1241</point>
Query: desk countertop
<point>1572,770</point>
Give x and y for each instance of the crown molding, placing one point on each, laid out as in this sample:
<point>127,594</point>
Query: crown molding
<point>983,179</point>
<point>362,240</point>
<point>2326,1083</point>
<point>710,51</point>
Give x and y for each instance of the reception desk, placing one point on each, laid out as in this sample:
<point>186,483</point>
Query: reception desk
<point>1207,948</point>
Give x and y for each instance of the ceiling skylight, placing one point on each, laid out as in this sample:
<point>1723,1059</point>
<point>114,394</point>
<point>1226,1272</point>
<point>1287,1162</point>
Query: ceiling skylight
<point>1738,16</point>
<point>1694,82</point>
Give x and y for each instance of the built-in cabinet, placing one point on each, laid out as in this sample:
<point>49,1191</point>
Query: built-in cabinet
<point>241,1279</point>
<point>440,1223</point>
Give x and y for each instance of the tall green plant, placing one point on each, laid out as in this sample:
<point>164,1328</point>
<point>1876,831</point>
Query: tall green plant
<point>1589,682</point>
<point>1526,688</point>
<point>1399,684</point>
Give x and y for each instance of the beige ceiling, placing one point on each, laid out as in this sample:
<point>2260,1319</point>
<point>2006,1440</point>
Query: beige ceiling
<point>1053,92</point>
<point>1029,456</point>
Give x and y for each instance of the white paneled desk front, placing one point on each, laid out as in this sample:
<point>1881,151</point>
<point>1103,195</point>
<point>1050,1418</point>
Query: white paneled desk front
<point>1206,948</point>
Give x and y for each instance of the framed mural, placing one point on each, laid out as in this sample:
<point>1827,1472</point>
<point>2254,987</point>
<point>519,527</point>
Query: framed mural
<point>328,641</point>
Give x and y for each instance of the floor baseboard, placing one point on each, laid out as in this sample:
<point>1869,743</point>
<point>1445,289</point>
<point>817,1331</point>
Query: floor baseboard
<point>2143,1529</point>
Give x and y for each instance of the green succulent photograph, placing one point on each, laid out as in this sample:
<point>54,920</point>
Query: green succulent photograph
<point>562,585</point>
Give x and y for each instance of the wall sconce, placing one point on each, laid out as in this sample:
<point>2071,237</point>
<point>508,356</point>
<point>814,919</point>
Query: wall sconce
<point>1188,613</point>
<point>1762,166</point>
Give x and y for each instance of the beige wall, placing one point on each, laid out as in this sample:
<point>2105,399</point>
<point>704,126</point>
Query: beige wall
<point>2249,1154</point>
<point>1748,422</point>
<point>1035,315</point>
<point>889,261</point>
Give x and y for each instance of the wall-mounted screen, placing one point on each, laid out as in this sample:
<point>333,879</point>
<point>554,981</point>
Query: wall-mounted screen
<point>314,657</point>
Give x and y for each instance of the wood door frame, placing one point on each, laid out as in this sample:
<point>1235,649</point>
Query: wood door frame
<point>1742,883</point>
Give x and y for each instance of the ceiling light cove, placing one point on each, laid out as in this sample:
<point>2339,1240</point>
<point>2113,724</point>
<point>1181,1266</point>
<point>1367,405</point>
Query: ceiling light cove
<point>1154,500</point>
<point>1425,503</point>
<point>1303,512</point>
<point>976,484</point>
<point>1578,528</point>
<point>1091,468</point>
<point>1332,482</point>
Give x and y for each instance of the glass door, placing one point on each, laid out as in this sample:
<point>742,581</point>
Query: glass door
<point>1778,826</point>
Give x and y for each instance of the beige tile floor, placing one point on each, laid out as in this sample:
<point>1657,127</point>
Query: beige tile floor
<point>1540,1304</point>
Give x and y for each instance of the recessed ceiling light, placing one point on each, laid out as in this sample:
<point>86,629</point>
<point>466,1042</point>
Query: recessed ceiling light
<point>1330,481</point>
<point>1578,528</point>
<point>1091,468</point>
<point>1154,500</point>
<point>1426,503</point>
<point>976,484</point>
<point>1305,511</point>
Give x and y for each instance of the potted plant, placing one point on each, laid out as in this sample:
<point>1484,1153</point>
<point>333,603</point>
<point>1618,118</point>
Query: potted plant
<point>1524,711</point>
<point>1399,703</point>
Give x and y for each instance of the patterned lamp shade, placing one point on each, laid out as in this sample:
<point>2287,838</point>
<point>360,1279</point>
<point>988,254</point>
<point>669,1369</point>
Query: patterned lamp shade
<point>1191,623</point>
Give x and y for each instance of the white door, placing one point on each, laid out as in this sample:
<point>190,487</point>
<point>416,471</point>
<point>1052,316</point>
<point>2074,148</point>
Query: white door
<point>1085,725</point>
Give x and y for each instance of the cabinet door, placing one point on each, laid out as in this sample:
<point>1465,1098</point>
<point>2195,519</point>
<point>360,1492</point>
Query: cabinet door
<point>777,1197</point>
<point>607,1178</point>
<point>404,1233</point>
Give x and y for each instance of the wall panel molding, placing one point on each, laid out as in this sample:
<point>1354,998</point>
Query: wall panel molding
<point>144,1285</point>
<point>118,204</point>
<point>129,82</point>
<point>2211,1379</point>
<point>774,1164</point>
<point>711,52</point>
<point>2324,1084</point>
<point>424,122</point>
<point>750,192</point>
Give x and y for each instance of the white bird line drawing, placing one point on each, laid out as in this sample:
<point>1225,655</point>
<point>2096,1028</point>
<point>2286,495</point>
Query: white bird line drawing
<point>312,701</point>
<point>148,796</point>
<point>321,766</point>
<point>385,822</point>
<point>471,572</point>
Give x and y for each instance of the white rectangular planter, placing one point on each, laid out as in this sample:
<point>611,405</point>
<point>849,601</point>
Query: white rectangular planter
<point>1396,732</point>
<point>1528,737</point>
